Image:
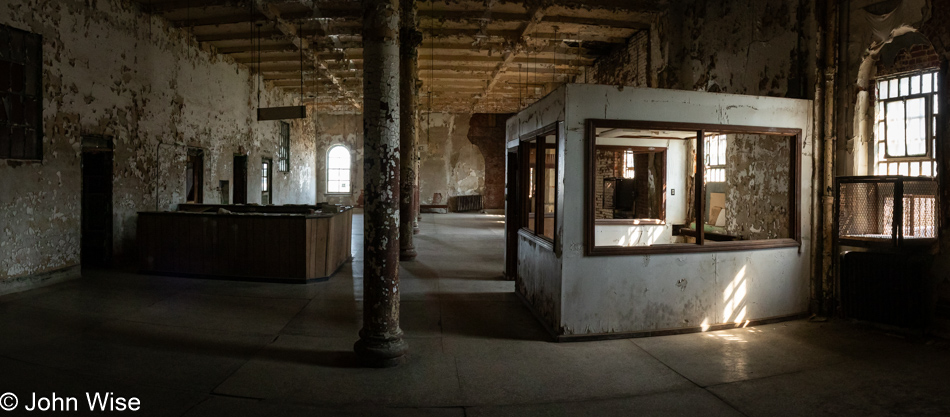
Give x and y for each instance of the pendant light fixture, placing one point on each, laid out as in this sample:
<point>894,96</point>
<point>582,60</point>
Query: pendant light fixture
<point>286,112</point>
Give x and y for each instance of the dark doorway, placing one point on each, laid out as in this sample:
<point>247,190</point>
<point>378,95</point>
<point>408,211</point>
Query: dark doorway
<point>513,219</point>
<point>266,181</point>
<point>96,247</point>
<point>240,179</point>
<point>194,176</point>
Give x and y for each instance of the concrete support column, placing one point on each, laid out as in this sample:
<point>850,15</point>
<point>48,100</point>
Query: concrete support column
<point>409,40</point>
<point>381,343</point>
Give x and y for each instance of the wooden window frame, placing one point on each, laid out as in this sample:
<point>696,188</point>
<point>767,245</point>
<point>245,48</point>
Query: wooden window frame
<point>794,216</point>
<point>526,142</point>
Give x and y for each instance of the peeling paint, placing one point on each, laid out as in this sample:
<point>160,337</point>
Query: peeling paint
<point>110,70</point>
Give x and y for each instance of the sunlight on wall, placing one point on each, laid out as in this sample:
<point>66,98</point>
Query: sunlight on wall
<point>734,296</point>
<point>641,236</point>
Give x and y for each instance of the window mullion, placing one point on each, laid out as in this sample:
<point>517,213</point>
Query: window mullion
<point>539,186</point>
<point>699,192</point>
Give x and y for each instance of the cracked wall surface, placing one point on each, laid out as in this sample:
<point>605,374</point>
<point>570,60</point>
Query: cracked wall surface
<point>461,154</point>
<point>757,184</point>
<point>756,47</point>
<point>110,70</point>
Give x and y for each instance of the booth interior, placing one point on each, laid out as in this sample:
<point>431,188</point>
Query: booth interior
<point>661,214</point>
<point>275,243</point>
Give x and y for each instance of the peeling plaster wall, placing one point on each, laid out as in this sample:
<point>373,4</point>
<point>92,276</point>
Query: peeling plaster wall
<point>755,47</point>
<point>461,154</point>
<point>110,70</point>
<point>487,133</point>
<point>757,174</point>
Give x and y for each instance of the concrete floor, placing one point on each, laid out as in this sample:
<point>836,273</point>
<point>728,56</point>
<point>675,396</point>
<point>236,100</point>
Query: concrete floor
<point>202,347</point>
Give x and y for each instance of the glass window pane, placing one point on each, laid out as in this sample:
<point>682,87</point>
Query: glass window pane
<point>903,170</point>
<point>916,127</point>
<point>892,168</point>
<point>338,157</point>
<point>880,150</point>
<point>934,101</point>
<point>895,129</point>
<point>915,84</point>
<point>532,190</point>
<point>882,90</point>
<point>892,89</point>
<point>925,168</point>
<point>550,181</point>
<point>927,81</point>
<point>903,86</point>
<point>915,169</point>
<point>722,150</point>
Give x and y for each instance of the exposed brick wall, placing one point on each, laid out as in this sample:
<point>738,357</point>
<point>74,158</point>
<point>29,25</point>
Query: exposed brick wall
<point>916,57</point>
<point>487,133</point>
<point>626,65</point>
<point>608,162</point>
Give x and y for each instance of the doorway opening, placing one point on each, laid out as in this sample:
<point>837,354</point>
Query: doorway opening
<point>240,179</point>
<point>96,239</point>
<point>266,194</point>
<point>194,176</point>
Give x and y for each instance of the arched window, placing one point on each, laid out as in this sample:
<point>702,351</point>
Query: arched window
<point>338,170</point>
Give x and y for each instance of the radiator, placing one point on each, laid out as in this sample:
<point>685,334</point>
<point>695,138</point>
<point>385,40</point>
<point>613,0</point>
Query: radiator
<point>468,203</point>
<point>887,288</point>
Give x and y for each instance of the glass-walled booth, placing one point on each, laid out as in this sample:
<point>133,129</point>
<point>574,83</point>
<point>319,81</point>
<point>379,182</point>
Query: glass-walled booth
<point>643,211</point>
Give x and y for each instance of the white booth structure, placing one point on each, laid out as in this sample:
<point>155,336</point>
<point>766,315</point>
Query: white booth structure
<point>636,212</point>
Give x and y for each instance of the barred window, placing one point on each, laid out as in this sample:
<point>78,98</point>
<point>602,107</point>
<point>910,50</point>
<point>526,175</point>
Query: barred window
<point>21,95</point>
<point>714,158</point>
<point>283,152</point>
<point>906,124</point>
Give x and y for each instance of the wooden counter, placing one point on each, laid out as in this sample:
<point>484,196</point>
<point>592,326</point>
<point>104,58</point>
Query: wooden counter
<point>252,246</point>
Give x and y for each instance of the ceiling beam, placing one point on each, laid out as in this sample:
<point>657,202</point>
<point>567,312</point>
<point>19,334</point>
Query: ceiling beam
<point>527,27</point>
<point>170,6</point>
<point>269,9</point>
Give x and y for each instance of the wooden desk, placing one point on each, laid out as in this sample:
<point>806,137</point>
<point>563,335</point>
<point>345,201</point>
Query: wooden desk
<point>251,246</point>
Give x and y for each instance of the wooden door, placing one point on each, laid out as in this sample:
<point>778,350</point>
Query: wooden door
<point>240,179</point>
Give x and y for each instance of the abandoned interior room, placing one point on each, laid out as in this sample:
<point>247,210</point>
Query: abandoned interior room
<point>475,207</point>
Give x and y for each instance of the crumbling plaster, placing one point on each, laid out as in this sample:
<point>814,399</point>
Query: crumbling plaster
<point>109,69</point>
<point>458,152</point>
<point>757,177</point>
